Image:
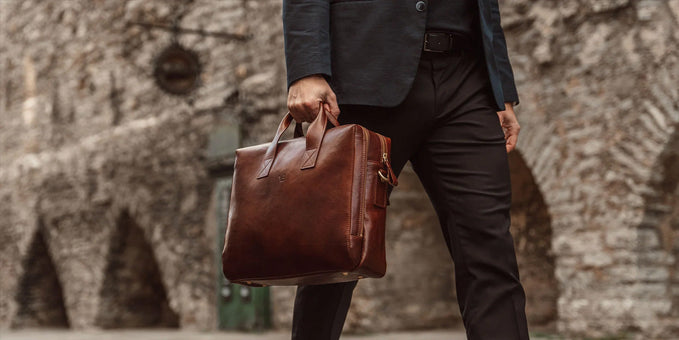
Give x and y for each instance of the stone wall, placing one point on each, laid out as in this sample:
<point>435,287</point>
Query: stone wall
<point>599,105</point>
<point>90,145</point>
<point>104,177</point>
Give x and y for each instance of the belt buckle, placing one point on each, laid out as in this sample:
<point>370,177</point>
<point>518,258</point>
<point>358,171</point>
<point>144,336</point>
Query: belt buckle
<point>426,40</point>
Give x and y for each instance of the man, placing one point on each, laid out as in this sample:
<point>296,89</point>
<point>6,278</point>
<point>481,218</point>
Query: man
<point>435,77</point>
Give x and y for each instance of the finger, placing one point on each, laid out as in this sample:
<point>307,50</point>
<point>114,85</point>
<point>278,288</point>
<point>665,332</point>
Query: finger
<point>293,111</point>
<point>310,110</point>
<point>333,107</point>
<point>511,142</point>
<point>300,112</point>
<point>326,107</point>
<point>303,113</point>
<point>502,125</point>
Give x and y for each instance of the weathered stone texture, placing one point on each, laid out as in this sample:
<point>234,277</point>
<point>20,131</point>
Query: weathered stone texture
<point>87,140</point>
<point>599,104</point>
<point>87,137</point>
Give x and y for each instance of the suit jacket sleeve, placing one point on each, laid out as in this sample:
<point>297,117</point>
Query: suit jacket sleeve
<point>306,33</point>
<point>502,57</point>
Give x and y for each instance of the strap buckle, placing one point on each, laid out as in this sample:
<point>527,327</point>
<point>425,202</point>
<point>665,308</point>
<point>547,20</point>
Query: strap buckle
<point>432,40</point>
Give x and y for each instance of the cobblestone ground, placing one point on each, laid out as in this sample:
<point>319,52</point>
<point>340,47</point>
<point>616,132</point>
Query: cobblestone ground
<point>188,335</point>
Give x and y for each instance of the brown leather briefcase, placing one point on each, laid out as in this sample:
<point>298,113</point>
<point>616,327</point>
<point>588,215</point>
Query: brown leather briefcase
<point>309,210</point>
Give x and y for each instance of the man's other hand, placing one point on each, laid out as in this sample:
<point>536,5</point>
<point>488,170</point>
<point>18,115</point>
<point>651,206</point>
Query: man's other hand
<point>306,93</point>
<point>510,126</point>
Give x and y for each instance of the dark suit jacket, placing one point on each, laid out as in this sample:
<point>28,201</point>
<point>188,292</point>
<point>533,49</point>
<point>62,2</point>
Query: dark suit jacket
<point>369,50</point>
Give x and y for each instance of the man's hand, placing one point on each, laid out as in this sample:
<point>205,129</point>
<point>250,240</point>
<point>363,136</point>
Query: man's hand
<point>304,97</point>
<point>510,126</point>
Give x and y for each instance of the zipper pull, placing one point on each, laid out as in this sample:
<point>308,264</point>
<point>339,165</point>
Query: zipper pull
<point>390,177</point>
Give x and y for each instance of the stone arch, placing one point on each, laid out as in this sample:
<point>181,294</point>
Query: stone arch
<point>39,296</point>
<point>532,231</point>
<point>657,246</point>
<point>133,293</point>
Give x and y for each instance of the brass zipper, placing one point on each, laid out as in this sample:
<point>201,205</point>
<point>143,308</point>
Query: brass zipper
<point>364,170</point>
<point>385,156</point>
<point>389,177</point>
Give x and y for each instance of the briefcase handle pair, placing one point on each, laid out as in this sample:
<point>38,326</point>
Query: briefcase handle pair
<point>313,140</point>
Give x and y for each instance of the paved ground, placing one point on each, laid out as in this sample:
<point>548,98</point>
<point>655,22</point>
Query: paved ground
<point>186,335</point>
<point>190,335</point>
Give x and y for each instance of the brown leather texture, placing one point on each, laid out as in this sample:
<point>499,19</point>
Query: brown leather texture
<point>311,209</point>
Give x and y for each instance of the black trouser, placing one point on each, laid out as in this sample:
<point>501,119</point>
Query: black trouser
<point>449,129</point>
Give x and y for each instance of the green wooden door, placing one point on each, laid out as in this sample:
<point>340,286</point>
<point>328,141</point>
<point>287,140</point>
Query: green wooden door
<point>238,307</point>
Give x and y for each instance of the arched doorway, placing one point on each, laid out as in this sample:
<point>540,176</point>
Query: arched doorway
<point>39,295</point>
<point>658,244</point>
<point>532,231</point>
<point>132,294</point>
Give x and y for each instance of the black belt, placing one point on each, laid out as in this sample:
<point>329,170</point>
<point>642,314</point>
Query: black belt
<point>439,41</point>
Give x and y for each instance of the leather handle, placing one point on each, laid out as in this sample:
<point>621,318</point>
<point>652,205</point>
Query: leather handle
<point>299,132</point>
<point>313,140</point>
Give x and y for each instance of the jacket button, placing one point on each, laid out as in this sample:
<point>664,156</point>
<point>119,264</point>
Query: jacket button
<point>420,6</point>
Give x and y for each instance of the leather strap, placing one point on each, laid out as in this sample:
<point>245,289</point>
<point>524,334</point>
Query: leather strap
<point>313,140</point>
<point>393,179</point>
<point>443,41</point>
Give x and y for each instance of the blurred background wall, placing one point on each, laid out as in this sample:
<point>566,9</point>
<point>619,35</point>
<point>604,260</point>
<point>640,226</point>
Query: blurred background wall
<point>118,120</point>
